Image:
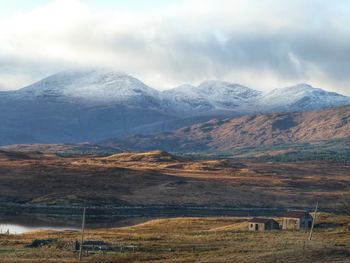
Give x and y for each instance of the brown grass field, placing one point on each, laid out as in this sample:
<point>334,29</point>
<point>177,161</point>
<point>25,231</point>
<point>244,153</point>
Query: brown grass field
<point>157,178</point>
<point>192,240</point>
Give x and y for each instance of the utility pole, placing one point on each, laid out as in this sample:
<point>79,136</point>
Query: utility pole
<point>313,221</point>
<point>82,236</point>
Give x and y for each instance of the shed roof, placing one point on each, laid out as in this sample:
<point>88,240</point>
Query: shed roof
<point>260,220</point>
<point>296,214</point>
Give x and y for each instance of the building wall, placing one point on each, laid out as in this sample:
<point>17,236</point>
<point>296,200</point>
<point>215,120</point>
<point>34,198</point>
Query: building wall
<point>291,223</point>
<point>296,223</point>
<point>272,225</point>
<point>256,226</point>
<point>305,223</point>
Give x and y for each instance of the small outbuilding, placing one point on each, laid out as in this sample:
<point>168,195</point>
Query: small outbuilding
<point>296,220</point>
<point>263,224</point>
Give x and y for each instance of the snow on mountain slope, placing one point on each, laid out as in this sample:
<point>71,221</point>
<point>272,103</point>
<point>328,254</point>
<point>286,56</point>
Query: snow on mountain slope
<point>227,95</point>
<point>106,86</point>
<point>211,96</point>
<point>94,85</point>
<point>185,98</point>
<point>94,104</point>
<point>301,97</point>
<point>78,105</point>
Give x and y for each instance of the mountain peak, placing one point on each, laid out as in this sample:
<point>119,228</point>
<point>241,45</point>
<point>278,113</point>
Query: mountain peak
<point>301,87</point>
<point>220,85</point>
<point>302,97</point>
<point>182,88</point>
<point>96,84</point>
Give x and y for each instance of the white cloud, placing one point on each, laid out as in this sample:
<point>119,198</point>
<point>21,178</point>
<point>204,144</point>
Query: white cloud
<point>263,44</point>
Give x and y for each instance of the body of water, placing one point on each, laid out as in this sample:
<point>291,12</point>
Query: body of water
<point>14,229</point>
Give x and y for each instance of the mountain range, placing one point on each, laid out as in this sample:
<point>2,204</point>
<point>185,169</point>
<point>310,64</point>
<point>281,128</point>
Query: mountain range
<point>94,104</point>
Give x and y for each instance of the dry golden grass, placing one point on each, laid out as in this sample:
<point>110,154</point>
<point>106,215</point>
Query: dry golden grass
<point>193,240</point>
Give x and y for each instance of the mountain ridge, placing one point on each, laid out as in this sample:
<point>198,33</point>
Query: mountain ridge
<point>114,86</point>
<point>246,131</point>
<point>95,104</point>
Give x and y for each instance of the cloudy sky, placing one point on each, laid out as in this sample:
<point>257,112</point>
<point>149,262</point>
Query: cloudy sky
<point>263,44</point>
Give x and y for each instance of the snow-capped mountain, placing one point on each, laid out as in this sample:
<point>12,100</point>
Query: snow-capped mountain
<point>210,96</point>
<point>218,95</point>
<point>301,97</point>
<point>220,90</point>
<point>225,95</point>
<point>91,105</point>
<point>78,105</point>
<point>185,98</point>
<point>100,86</point>
<point>96,85</point>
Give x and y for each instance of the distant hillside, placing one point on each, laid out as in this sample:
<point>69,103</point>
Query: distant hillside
<point>153,156</point>
<point>247,131</point>
<point>62,149</point>
<point>14,155</point>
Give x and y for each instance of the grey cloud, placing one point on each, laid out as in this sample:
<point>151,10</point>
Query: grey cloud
<point>178,49</point>
<point>330,53</point>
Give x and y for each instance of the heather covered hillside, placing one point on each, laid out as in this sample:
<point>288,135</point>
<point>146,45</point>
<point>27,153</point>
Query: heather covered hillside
<point>247,131</point>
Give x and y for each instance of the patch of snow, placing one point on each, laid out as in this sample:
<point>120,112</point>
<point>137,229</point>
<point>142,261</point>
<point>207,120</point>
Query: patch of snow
<point>211,95</point>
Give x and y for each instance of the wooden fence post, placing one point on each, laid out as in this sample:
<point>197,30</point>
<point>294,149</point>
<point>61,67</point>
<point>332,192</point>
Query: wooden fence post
<point>313,221</point>
<point>82,236</point>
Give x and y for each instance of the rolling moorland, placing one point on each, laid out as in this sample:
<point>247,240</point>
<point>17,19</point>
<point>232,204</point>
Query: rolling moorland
<point>159,178</point>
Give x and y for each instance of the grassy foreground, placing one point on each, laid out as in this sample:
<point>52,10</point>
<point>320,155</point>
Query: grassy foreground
<point>192,240</point>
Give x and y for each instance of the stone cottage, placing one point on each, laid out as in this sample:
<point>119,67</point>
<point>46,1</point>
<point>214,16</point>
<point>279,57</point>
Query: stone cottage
<point>262,224</point>
<point>296,220</point>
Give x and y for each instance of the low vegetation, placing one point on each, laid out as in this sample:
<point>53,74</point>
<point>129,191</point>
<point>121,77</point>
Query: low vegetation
<point>253,131</point>
<point>159,178</point>
<point>189,240</point>
<point>336,150</point>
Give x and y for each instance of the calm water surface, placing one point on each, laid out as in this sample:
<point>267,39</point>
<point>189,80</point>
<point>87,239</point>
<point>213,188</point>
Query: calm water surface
<point>21,229</point>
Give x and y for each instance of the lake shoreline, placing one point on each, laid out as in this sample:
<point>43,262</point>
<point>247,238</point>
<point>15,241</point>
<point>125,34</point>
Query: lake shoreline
<point>107,217</point>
